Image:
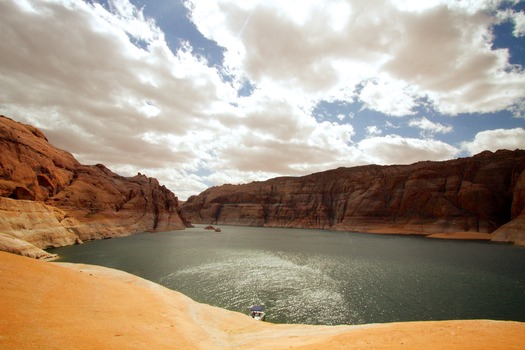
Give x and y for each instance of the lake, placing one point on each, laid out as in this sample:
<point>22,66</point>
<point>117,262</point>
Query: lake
<point>314,276</point>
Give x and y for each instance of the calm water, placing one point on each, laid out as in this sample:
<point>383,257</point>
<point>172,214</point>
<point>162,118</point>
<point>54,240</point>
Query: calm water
<point>323,277</point>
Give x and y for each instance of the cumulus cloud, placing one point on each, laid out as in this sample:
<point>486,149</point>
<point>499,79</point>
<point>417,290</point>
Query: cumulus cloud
<point>440,49</point>
<point>429,128</point>
<point>457,70</point>
<point>519,21</point>
<point>518,18</point>
<point>394,149</point>
<point>104,84</point>
<point>113,94</point>
<point>373,131</point>
<point>494,140</point>
<point>93,68</point>
<point>278,138</point>
<point>389,97</point>
<point>97,93</point>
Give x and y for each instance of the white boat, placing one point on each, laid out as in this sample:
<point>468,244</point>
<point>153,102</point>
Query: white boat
<point>257,312</point>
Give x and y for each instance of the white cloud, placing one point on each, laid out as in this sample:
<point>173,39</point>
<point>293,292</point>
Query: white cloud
<point>106,86</point>
<point>468,6</point>
<point>288,45</point>
<point>389,97</point>
<point>429,128</point>
<point>274,136</point>
<point>518,18</point>
<point>456,69</point>
<point>146,109</point>
<point>494,140</point>
<point>519,22</point>
<point>131,20</point>
<point>72,69</point>
<point>393,149</point>
<point>373,131</point>
<point>440,50</point>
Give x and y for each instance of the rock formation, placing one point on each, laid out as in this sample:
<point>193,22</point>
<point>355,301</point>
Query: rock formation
<point>480,194</point>
<point>49,199</point>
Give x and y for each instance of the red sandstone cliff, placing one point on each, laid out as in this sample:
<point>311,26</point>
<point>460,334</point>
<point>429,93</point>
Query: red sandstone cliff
<point>48,199</point>
<point>480,194</point>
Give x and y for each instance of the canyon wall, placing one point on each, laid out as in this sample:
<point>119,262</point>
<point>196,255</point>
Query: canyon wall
<point>480,194</point>
<point>48,199</point>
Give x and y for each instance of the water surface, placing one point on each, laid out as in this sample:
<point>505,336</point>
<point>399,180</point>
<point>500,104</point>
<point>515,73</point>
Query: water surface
<point>324,277</point>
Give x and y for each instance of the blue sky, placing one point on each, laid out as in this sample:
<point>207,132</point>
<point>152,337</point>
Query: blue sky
<point>201,93</point>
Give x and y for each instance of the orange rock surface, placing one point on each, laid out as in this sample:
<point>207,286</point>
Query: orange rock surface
<point>49,199</point>
<point>480,197</point>
<point>67,306</point>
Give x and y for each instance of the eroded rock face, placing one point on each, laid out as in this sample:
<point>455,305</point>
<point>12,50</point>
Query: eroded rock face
<point>31,168</point>
<point>514,230</point>
<point>483,193</point>
<point>108,205</point>
<point>35,222</point>
<point>48,199</point>
<point>14,245</point>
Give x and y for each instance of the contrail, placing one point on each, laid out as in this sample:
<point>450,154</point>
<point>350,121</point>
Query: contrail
<point>246,22</point>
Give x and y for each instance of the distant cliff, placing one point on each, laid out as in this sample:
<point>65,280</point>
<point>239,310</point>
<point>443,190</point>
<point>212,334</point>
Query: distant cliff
<point>49,199</point>
<point>481,194</point>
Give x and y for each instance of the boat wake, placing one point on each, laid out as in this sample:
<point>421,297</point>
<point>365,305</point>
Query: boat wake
<point>295,289</point>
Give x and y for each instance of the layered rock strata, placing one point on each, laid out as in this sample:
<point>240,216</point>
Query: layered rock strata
<point>483,194</point>
<point>49,199</point>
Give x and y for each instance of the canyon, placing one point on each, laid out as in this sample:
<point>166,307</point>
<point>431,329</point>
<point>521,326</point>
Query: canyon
<point>479,197</point>
<point>48,199</point>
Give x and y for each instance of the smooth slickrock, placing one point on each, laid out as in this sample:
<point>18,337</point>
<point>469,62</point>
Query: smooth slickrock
<point>49,199</point>
<point>68,306</point>
<point>14,245</point>
<point>477,195</point>
<point>35,223</point>
<point>513,231</point>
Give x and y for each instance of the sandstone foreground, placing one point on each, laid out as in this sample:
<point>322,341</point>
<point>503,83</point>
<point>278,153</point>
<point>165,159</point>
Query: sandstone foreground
<point>68,306</point>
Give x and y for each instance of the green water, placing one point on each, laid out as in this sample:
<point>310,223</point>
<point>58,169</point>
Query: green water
<point>324,277</point>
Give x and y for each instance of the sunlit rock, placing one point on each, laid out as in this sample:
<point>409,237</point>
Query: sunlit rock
<point>49,199</point>
<point>483,195</point>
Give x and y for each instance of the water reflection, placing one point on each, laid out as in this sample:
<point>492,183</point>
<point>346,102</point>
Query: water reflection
<point>321,277</point>
<point>303,291</point>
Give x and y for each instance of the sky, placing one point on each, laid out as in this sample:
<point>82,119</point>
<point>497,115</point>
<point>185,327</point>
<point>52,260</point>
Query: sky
<point>201,93</point>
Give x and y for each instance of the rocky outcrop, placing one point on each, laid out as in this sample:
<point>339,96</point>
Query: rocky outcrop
<point>514,230</point>
<point>35,222</point>
<point>49,199</point>
<point>18,246</point>
<point>480,194</point>
<point>108,205</point>
<point>31,168</point>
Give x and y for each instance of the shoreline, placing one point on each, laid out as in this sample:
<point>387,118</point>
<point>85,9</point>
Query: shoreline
<point>77,306</point>
<point>459,236</point>
<point>387,230</point>
<point>467,236</point>
<point>456,235</point>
